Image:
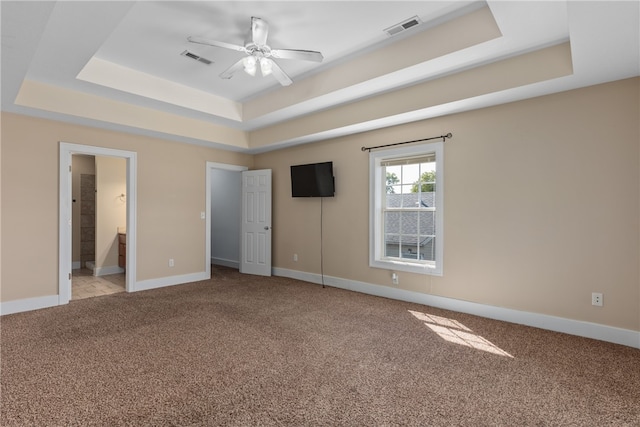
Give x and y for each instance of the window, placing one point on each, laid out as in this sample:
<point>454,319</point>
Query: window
<point>406,209</point>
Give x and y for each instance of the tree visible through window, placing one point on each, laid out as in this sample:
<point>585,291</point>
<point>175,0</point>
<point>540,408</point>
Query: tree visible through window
<point>406,227</point>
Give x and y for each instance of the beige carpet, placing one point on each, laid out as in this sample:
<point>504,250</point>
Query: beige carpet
<point>240,350</point>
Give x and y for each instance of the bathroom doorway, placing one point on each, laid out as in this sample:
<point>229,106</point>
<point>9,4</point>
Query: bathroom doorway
<point>114,234</point>
<point>98,186</point>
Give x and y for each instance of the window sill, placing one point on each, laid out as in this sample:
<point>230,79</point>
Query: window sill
<point>407,266</point>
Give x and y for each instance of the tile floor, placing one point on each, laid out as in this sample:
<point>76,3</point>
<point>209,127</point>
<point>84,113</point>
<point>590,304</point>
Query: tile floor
<point>85,285</point>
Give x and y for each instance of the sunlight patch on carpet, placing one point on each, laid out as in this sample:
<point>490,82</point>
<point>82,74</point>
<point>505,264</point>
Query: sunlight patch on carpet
<point>455,332</point>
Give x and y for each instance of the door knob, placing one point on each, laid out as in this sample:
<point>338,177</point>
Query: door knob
<point>266,227</point>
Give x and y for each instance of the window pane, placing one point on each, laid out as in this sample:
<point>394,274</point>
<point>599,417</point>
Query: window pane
<point>427,179</point>
<point>410,174</point>
<point>410,200</point>
<point>392,222</point>
<point>427,223</point>
<point>409,224</point>
<point>427,248</point>
<point>409,247</point>
<point>410,178</point>
<point>426,200</point>
<point>392,175</point>
<point>406,188</point>
<point>392,245</point>
<point>393,200</point>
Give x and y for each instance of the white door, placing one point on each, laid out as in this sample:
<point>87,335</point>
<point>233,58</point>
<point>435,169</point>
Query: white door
<point>255,243</point>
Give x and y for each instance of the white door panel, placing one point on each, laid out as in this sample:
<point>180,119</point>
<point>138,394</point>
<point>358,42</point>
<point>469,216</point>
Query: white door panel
<point>255,245</point>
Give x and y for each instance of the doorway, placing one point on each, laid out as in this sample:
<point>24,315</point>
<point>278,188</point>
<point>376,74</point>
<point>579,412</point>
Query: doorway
<point>67,151</point>
<point>223,202</point>
<point>98,225</point>
<point>249,220</point>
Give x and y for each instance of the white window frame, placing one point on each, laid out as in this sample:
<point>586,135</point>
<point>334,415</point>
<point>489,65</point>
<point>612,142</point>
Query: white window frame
<point>377,190</point>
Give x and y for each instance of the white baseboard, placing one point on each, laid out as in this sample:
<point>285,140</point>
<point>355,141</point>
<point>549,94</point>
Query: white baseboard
<point>543,321</point>
<point>225,262</point>
<point>104,271</point>
<point>558,324</point>
<point>28,304</point>
<point>162,282</point>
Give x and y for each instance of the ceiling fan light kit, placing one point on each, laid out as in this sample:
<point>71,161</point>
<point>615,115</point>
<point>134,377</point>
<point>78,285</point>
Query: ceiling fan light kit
<point>266,66</point>
<point>249,63</point>
<point>258,52</point>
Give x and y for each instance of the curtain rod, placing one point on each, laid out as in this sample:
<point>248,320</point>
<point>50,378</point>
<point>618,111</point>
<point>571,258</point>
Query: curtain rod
<point>408,142</point>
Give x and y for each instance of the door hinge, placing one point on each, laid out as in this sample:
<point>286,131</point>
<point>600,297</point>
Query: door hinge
<point>69,168</point>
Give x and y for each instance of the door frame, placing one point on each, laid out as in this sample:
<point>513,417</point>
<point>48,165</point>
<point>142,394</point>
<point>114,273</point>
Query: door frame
<point>67,150</point>
<point>210,167</point>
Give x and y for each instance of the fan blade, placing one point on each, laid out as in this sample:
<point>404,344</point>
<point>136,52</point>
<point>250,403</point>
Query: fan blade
<point>217,44</point>
<point>306,55</point>
<point>280,75</point>
<point>229,72</point>
<point>259,31</point>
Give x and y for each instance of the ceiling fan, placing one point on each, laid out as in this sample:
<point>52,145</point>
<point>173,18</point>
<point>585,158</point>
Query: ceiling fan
<point>260,54</point>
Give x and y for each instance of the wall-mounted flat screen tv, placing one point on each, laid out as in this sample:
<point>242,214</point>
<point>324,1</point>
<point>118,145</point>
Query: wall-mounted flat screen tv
<point>312,180</point>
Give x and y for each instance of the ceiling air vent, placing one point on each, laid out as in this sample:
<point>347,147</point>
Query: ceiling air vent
<point>404,25</point>
<point>196,57</point>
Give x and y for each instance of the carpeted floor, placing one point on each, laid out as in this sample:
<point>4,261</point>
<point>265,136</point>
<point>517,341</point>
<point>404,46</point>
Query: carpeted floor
<point>240,350</point>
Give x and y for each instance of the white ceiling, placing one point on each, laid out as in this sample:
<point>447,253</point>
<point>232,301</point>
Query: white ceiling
<point>130,52</point>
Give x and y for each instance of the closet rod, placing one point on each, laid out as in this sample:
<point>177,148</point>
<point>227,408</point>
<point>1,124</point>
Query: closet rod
<point>408,142</point>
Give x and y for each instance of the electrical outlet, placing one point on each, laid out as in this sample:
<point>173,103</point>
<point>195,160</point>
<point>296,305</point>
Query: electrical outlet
<point>394,278</point>
<point>295,257</point>
<point>596,299</point>
<point>171,262</point>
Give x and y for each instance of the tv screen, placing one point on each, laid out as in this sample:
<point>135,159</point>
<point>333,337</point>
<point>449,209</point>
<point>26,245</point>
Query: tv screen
<point>312,180</point>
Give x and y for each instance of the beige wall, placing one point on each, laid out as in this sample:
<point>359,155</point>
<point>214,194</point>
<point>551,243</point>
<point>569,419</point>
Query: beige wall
<point>111,208</point>
<point>542,206</point>
<point>171,195</point>
<point>490,78</point>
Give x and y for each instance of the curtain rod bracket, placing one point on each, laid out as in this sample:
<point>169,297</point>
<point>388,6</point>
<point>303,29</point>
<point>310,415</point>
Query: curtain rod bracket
<point>449,135</point>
